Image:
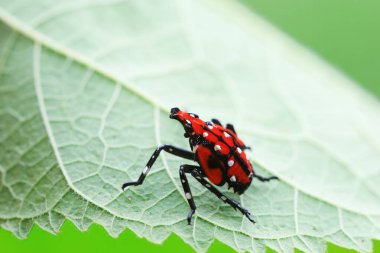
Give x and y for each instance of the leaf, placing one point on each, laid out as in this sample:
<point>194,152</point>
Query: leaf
<point>84,98</point>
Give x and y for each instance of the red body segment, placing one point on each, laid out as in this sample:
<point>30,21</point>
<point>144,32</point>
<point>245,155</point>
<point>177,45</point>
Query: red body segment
<point>215,172</point>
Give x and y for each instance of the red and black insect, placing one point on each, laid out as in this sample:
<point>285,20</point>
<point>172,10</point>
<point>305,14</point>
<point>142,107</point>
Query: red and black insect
<point>220,155</point>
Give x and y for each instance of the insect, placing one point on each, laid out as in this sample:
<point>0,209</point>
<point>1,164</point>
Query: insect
<point>220,155</point>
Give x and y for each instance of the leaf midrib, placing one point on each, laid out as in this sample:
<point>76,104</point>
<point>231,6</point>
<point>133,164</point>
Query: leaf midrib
<point>39,38</point>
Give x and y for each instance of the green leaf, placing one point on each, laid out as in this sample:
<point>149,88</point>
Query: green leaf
<point>85,88</point>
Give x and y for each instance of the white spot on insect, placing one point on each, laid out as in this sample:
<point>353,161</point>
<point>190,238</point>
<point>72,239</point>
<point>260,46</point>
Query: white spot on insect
<point>226,134</point>
<point>239,150</point>
<point>208,186</point>
<point>152,156</point>
<point>183,181</point>
<point>233,179</point>
<point>250,175</point>
<point>205,134</point>
<point>230,163</point>
<point>192,115</point>
<point>188,195</point>
<point>210,127</point>
<point>146,170</point>
<point>170,150</point>
<point>223,198</point>
<point>188,121</point>
<point>217,148</point>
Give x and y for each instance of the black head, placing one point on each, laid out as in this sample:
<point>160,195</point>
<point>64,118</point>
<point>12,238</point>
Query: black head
<point>174,112</point>
<point>189,121</point>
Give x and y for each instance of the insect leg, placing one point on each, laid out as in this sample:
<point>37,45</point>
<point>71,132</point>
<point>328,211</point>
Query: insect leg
<point>231,127</point>
<point>216,121</point>
<point>186,188</point>
<point>197,173</point>
<point>265,179</point>
<point>168,148</point>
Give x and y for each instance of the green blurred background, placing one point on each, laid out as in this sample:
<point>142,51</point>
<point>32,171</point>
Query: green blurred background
<point>346,33</point>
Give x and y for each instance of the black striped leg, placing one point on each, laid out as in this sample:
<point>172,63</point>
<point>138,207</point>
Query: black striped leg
<point>197,173</point>
<point>265,179</point>
<point>168,148</point>
<point>186,188</point>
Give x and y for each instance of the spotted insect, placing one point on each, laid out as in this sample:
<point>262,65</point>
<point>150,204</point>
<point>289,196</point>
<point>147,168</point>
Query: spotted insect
<point>220,155</point>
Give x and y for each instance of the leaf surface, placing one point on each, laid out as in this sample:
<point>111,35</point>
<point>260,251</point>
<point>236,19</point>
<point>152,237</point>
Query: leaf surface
<point>84,98</point>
